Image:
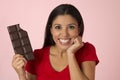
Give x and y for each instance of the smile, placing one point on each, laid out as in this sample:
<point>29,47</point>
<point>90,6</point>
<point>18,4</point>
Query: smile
<point>64,41</point>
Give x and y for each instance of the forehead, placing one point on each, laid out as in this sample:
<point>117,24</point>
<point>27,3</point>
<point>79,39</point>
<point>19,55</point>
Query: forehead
<point>64,19</point>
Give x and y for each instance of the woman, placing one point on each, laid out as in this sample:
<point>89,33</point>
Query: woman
<point>64,55</point>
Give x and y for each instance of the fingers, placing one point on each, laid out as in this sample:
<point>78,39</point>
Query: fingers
<point>78,41</point>
<point>18,61</point>
<point>18,56</point>
<point>18,64</point>
<point>77,44</point>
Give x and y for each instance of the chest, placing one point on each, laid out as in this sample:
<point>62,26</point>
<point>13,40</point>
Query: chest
<point>55,70</point>
<point>58,63</point>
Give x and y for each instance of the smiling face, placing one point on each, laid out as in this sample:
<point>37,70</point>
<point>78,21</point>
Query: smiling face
<point>64,30</point>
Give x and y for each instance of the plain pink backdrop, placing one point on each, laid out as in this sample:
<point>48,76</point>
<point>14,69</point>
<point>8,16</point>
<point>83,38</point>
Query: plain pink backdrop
<point>102,29</point>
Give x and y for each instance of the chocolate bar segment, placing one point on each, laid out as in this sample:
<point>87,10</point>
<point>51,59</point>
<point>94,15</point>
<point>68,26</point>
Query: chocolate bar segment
<point>20,41</point>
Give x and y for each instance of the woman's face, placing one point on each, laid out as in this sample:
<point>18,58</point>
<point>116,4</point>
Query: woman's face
<point>64,30</point>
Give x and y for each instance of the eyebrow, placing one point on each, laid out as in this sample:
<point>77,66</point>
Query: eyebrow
<point>56,24</point>
<point>68,24</point>
<point>73,24</point>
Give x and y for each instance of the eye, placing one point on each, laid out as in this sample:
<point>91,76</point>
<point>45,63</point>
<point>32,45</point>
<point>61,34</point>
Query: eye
<point>71,26</point>
<point>57,27</point>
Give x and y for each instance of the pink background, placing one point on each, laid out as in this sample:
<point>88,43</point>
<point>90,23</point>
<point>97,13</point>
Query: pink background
<point>102,28</point>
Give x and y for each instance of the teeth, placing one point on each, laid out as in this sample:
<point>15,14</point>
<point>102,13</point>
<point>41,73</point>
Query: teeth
<point>64,40</point>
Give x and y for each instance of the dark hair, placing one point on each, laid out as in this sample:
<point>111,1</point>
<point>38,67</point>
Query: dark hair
<point>61,10</point>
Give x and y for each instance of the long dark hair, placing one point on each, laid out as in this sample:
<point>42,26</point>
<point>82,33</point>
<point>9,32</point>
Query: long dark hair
<point>61,10</point>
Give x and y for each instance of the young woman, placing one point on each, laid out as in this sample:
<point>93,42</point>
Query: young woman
<point>64,55</point>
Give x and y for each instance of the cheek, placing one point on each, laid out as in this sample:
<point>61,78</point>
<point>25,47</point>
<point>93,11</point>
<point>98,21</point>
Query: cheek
<point>55,36</point>
<point>74,33</point>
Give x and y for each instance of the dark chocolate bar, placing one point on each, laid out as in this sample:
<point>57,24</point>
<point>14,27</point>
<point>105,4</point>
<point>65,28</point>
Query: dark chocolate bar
<point>20,41</point>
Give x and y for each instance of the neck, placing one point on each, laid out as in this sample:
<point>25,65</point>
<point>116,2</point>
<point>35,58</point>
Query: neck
<point>56,51</point>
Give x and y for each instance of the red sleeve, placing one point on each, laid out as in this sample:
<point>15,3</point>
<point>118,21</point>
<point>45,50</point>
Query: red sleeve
<point>31,65</point>
<point>87,53</point>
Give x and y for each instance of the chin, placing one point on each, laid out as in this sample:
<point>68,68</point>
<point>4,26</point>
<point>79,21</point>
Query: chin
<point>64,47</point>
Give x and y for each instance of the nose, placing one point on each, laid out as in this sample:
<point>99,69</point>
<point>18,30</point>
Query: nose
<point>64,32</point>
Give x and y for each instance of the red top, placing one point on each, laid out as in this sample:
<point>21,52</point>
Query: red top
<point>42,68</point>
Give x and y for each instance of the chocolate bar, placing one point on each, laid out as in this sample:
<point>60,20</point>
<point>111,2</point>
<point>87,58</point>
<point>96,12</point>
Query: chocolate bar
<point>20,41</point>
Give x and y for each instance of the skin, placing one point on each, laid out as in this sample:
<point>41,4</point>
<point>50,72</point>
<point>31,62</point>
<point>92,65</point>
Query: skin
<point>65,34</point>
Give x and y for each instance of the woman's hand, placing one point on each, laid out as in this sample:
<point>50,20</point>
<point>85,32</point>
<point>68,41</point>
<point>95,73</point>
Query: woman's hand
<point>77,44</point>
<point>18,64</point>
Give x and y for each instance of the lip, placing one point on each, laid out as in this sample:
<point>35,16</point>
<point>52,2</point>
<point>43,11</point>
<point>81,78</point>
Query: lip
<point>64,41</point>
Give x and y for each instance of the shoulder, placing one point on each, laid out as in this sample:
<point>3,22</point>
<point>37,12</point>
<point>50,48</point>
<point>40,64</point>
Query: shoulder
<point>88,47</point>
<point>87,53</point>
<point>40,52</point>
<point>36,51</point>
